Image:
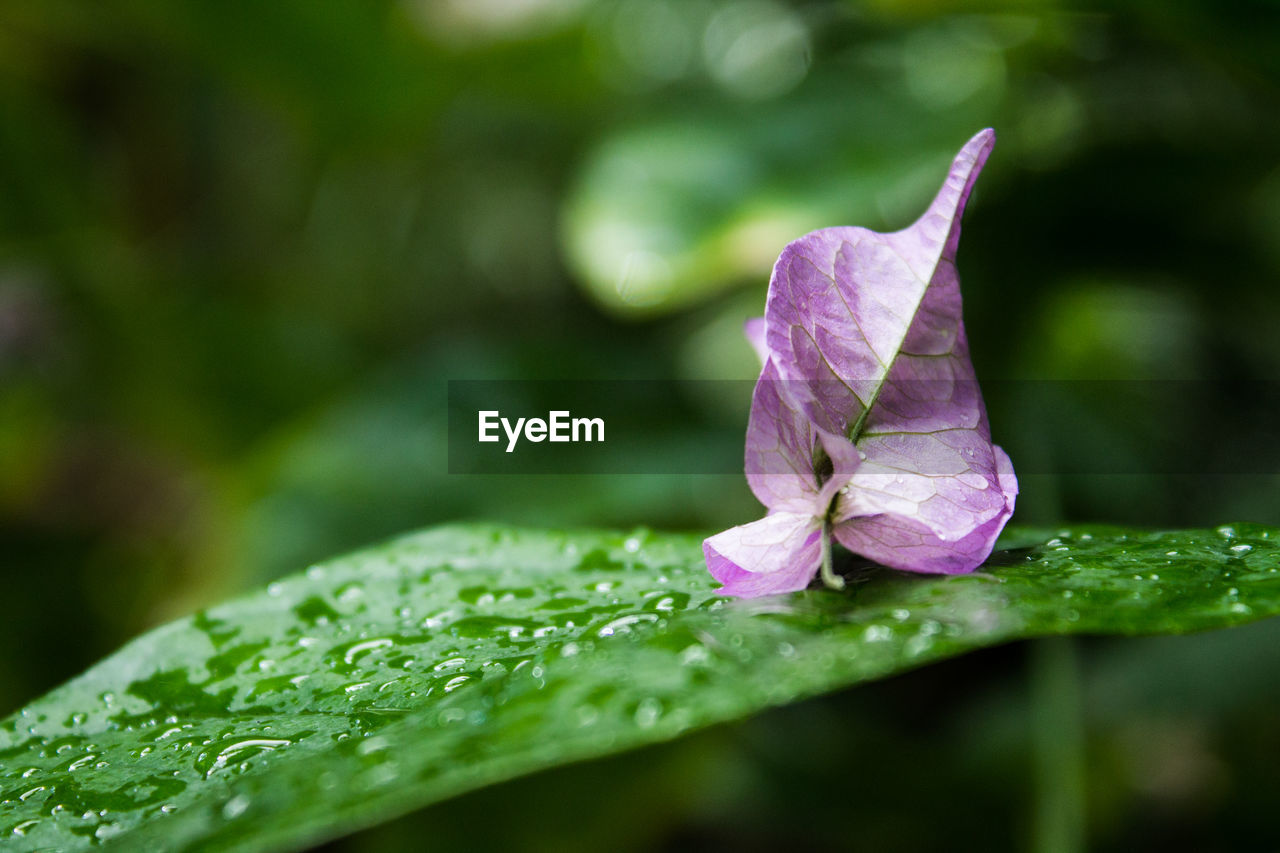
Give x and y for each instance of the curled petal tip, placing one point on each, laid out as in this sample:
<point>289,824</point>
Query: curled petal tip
<point>964,172</point>
<point>975,151</point>
<point>937,232</point>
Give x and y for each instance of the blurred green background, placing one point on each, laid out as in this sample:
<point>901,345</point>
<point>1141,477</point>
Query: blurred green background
<point>244,245</point>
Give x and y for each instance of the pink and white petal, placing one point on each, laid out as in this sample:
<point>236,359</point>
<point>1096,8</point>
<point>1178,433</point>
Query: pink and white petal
<point>781,552</point>
<point>1008,480</point>
<point>845,461</point>
<point>948,480</point>
<point>840,302</point>
<point>846,305</point>
<point>779,449</point>
<point>906,542</point>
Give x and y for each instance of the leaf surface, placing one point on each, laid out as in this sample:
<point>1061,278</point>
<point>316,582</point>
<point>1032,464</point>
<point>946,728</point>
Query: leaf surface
<point>460,656</point>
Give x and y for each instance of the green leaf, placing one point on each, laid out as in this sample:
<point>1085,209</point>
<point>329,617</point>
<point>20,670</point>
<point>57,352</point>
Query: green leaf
<point>456,657</point>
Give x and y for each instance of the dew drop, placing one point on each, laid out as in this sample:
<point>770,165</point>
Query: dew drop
<point>877,633</point>
<point>367,646</point>
<point>245,749</point>
<point>452,715</point>
<point>22,828</point>
<point>694,655</point>
<point>349,592</point>
<point>648,712</point>
<point>623,624</point>
<point>235,807</point>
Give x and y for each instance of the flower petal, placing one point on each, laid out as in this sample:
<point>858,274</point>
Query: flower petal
<point>844,303</point>
<point>779,449</point>
<point>936,535</point>
<point>779,553</point>
<point>782,452</point>
<point>937,232</point>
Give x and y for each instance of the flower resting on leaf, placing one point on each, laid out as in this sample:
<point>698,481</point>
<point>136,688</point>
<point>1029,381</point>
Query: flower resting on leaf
<point>867,424</point>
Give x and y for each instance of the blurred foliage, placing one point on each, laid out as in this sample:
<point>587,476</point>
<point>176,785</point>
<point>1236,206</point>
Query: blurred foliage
<point>242,247</point>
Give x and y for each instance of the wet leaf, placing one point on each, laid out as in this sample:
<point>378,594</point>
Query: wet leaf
<point>456,657</point>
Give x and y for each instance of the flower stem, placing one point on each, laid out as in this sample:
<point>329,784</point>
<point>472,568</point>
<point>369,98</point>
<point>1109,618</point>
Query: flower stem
<point>829,577</point>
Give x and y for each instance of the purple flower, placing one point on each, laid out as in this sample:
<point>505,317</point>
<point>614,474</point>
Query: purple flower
<point>867,423</point>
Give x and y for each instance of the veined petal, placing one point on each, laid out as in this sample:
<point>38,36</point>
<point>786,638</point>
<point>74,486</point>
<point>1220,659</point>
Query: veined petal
<point>939,535</point>
<point>949,480</point>
<point>843,459</point>
<point>779,456</point>
<point>785,452</point>
<point>781,552</point>
<point>845,303</point>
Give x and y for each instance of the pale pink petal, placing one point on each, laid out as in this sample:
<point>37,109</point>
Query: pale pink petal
<point>779,456</point>
<point>844,303</point>
<point>781,552</point>
<point>930,540</point>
